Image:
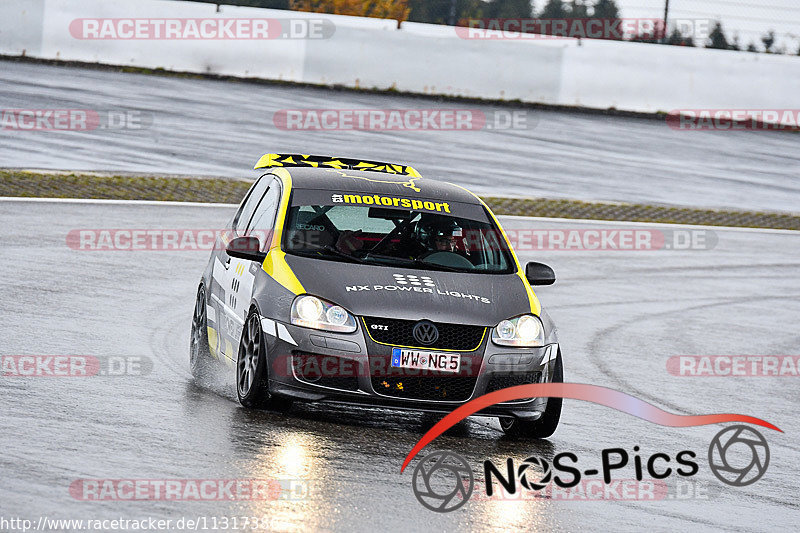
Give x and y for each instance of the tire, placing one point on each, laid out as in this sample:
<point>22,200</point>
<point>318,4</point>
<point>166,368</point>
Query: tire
<point>199,351</point>
<point>252,373</point>
<point>546,425</point>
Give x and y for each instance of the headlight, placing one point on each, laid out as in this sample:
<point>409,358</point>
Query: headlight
<point>312,312</point>
<point>525,330</point>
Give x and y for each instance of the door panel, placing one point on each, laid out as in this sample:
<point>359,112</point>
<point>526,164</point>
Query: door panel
<point>235,277</point>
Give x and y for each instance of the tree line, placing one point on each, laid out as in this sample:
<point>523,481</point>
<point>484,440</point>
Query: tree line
<point>454,12</point>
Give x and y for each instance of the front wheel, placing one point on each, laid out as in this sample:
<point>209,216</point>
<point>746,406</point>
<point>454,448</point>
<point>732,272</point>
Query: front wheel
<point>252,374</point>
<point>546,425</point>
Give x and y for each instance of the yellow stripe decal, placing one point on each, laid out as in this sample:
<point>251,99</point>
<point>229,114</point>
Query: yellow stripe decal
<point>275,264</point>
<point>228,347</point>
<point>280,160</point>
<point>212,341</point>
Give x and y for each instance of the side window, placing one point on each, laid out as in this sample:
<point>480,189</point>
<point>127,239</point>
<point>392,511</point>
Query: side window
<point>263,222</point>
<point>249,206</point>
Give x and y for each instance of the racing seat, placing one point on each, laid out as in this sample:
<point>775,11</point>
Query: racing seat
<point>308,231</point>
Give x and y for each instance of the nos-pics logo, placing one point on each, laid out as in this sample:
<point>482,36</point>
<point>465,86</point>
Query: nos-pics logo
<point>443,481</point>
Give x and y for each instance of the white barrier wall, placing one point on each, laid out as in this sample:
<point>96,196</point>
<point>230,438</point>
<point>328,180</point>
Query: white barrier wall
<point>420,58</point>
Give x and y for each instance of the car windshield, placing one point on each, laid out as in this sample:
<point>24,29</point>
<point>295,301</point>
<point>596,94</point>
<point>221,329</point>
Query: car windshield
<point>449,236</point>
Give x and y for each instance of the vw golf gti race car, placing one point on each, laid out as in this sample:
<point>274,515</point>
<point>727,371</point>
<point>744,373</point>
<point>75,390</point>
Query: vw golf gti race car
<point>362,282</point>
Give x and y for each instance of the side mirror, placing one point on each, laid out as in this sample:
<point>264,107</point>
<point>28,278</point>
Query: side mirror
<point>248,248</point>
<point>539,274</point>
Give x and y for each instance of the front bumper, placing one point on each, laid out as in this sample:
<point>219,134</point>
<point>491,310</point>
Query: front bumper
<point>321,366</point>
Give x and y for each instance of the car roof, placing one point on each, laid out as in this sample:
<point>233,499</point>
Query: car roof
<point>371,182</point>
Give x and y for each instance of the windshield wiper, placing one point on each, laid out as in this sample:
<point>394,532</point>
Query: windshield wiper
<point>416,262</point>
<point>331,250</point>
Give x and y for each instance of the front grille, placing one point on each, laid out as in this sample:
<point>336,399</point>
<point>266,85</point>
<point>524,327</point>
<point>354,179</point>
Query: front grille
<point>457,337</point>
<point>324,370</point>
<point>504,381</point>
<point>434,388</point>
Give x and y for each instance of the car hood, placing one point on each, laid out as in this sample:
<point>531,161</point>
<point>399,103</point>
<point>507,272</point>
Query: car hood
<point>412,294</point>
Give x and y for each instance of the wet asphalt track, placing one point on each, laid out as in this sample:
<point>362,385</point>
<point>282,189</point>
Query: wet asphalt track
<point>221,128</point>
<point>620,314</point>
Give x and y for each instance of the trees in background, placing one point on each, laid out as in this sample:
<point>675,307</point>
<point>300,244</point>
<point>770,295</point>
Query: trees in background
<point>509,9</point>
<point>676,38</point>
<point>554,9</point>
<point>578,9</point>
<point>769,41</point>
<point>385,9</point>
<point>606,9</point>
<point>269,4</point>
<point>453,11</point>
<point>717,39</point>
<point>439,11</point>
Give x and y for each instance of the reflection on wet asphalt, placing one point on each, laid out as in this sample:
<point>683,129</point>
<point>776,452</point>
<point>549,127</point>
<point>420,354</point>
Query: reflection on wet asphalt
<point>620,316</point>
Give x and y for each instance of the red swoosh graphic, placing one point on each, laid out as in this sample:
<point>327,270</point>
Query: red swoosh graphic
<point>578,391</point>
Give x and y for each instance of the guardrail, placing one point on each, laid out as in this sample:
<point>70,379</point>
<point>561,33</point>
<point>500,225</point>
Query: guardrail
<point>418,58</point>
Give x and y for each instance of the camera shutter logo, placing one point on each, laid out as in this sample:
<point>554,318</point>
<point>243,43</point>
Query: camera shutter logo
<point>425,332</point>
<point>738,473</point>
<point>544,480</point>
<point>443,481</point>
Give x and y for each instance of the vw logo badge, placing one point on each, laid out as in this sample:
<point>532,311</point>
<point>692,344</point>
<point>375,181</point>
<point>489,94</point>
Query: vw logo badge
<point>425,332</point>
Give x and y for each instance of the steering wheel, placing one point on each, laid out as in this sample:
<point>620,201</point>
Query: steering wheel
<point>448,259</point>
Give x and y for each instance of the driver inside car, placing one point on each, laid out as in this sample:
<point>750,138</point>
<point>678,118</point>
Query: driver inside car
<point>444,241</point>
<point>446,236</point>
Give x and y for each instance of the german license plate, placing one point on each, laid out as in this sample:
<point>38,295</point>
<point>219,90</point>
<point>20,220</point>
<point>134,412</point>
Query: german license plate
<point>420,360</point>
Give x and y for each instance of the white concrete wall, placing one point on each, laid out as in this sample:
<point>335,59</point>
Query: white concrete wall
<point>420,58</point>
<point>21,24</point>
